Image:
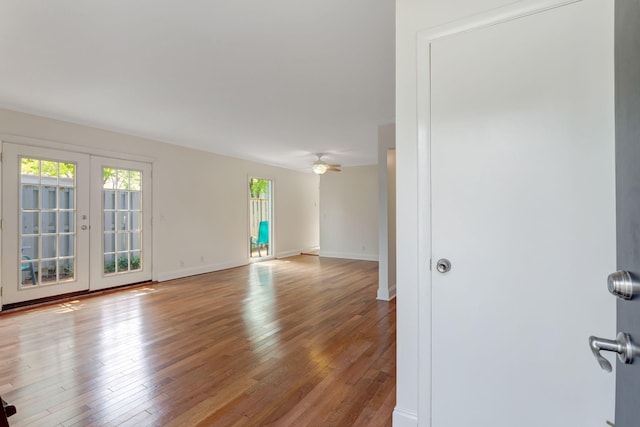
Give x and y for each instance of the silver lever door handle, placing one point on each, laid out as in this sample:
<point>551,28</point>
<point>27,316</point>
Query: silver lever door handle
<point>621,345</point>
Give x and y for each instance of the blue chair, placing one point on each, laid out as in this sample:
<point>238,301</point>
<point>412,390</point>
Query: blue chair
<point>28,267</point>
<point>263,237</point>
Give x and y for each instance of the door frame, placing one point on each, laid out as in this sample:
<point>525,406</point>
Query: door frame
<point>424,233</point>
<point>272,242</point>
<point>92,151</point>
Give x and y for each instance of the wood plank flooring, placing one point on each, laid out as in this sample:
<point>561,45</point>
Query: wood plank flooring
<point>300,341</point>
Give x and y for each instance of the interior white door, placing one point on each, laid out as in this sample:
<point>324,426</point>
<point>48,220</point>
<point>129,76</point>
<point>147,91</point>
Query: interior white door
<point>523,206</point>
<point>121,222</point>
<point>45,211</point>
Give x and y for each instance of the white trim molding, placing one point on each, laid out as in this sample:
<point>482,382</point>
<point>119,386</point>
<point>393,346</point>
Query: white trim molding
<point>201,269</point>
<point>349,255</point>
<point>424,41</point>
<point>287,254</point>
<point>93,151</point>
<point>388,293</point>
<point>403,418</point>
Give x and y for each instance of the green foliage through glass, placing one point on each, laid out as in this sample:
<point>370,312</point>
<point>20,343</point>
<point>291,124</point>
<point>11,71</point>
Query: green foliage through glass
<point>47,168</point>
<point>259,187</point>
<point>123,265</point>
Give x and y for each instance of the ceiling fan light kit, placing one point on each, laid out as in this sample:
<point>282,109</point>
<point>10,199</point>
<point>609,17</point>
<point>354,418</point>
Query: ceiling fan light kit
<point>320,167</point>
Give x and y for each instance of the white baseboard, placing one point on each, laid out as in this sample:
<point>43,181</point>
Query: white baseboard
<point>347,255</point>
<point>404,419</point>
<point>201,269</point>
<point>287,254</point>
<point>392,291</point>
<point>307,250</point>
<point>311,249</point>
<point>386,294</point>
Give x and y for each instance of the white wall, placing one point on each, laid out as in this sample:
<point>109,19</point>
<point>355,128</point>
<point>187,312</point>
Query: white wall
<point>413,16</point>
<point>349,213</point>
<point>391,220</point>
<point>386,212</point>
<point>199,199</point>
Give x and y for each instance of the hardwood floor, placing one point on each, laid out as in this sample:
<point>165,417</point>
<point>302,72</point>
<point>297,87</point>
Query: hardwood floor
<point>295,342</point>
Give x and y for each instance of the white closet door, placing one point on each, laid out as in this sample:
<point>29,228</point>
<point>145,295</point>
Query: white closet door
<point>523,207</point>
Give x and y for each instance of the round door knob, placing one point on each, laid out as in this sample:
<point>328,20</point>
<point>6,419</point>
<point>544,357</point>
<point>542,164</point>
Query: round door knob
<point>443,265</point>
<point>84,227</point>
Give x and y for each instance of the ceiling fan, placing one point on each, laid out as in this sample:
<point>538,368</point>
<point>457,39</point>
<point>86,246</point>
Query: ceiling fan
<point>320,167</point>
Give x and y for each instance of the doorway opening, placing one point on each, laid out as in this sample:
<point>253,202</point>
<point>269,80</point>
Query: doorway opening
<point>260,218</point>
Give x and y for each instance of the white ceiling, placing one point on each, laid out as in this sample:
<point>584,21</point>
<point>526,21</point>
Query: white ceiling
<point>271,81</point>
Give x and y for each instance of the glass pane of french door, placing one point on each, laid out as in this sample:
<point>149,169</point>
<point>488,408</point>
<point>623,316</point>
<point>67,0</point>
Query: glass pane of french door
<point>122,229</point>
<point>45,211</point>
<point>47,226</point>
<point>121,213</point>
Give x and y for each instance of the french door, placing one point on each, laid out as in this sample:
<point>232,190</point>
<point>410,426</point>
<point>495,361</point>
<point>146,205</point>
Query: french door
<point>121,209</point>
<point>45,229</point>
<point>72,222</point>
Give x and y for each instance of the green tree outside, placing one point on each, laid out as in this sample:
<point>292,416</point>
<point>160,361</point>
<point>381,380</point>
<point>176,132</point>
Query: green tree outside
<point>258,187</point>
<point>47,168</point>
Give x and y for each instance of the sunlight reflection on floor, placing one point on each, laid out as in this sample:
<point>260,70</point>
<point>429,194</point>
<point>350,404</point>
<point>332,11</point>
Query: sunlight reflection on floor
<point>143,291</point>
<point>259,314</point>
<point>69,306</point>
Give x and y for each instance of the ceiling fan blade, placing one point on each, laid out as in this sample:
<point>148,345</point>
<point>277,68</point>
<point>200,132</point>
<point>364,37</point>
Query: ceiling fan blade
<point>334,168</point>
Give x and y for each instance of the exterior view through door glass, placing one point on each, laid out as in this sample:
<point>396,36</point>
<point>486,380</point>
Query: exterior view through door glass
<point>45,211</point>
<point>260,218</point>
<point>47,229</point>
<point>122,190</point>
